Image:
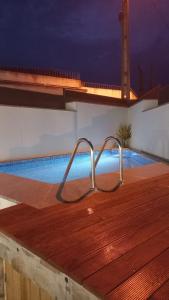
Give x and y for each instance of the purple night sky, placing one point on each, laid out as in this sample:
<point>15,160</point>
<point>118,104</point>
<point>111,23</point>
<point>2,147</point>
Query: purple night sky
<point>84,36</point>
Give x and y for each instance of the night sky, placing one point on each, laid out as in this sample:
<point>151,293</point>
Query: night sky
<point>84,36</point>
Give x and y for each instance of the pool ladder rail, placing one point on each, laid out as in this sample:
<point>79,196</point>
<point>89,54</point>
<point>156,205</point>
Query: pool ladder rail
<point>120,181</point>
<point>93,186</point>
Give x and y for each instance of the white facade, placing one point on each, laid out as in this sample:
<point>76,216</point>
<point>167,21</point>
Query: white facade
<point>27,132</point>
<point>31,132</point>
<point>96,122</point>
<point>150,128</point>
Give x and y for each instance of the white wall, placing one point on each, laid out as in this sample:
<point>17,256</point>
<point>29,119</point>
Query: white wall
<point>96,122</point>
<point>150,128</point>
<point>27,132</point>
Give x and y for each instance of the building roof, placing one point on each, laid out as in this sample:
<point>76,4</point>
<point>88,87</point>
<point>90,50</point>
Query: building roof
<point>79,96</point>
<point>151,94</point>
<point>39,98</point>
<point>164,95</point>
<point>53,89</point>
<point>161,93</point>
<point>35,78</point>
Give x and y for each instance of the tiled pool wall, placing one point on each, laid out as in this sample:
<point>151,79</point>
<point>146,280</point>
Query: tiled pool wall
<point>52,169</point>
<point>126,153</point>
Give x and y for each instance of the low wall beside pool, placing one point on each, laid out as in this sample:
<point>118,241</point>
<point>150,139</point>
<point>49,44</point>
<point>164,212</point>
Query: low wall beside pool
<point>30,132</point>
<point>34,132</point>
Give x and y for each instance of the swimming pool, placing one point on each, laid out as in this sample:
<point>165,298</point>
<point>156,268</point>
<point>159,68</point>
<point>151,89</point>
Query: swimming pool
<point>52,169</point>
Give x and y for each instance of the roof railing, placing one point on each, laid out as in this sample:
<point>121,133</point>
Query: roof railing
<point>100,85</point>
<point>39,71</point>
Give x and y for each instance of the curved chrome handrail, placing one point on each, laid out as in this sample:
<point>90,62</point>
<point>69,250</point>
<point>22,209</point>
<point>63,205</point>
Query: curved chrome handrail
<point>109,138</point>
<point>61,187</point>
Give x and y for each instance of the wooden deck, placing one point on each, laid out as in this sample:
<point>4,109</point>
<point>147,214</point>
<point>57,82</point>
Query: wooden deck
<point>114,244</point>
<point>41,195</point>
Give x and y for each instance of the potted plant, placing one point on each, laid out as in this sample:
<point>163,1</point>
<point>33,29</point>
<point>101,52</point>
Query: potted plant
<point>124,134</point>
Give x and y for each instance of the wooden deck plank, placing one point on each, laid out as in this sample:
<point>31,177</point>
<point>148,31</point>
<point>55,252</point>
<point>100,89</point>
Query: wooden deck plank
<point>162,293</point>
<point>117,210</point>
<point>113,251</point>
<point>52,224</point>
<point>113,224</point>
<point>41,195</point>
<point>88,244</point>
<point>101,202</point>
<point>128,264</point>
<point>92,240</point>
<point>51,220</point>
<point>145,282</point>
<point>15,215</point>
<point>64,218</point>
<point>121,235</point>
<point>31,192</point>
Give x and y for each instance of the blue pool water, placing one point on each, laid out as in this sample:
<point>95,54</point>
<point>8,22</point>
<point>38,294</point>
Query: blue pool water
<point>52,169</point>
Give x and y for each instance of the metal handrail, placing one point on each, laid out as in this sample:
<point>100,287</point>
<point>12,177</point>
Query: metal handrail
<point>92,188</point>
<point>109,138</point>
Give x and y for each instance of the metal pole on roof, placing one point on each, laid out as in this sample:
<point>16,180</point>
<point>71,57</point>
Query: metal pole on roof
<point>125,63</point>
